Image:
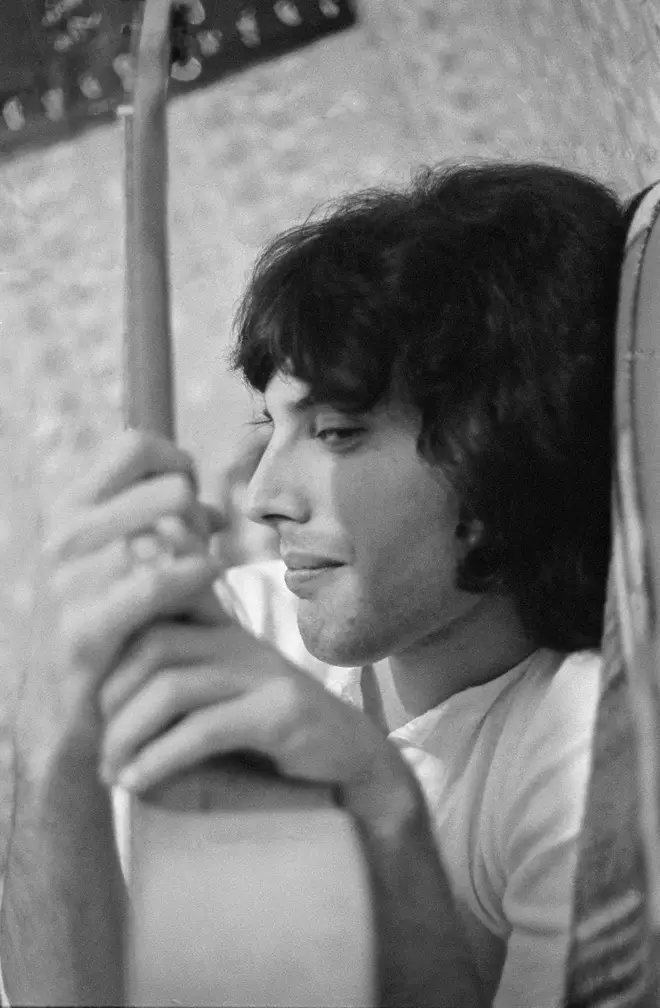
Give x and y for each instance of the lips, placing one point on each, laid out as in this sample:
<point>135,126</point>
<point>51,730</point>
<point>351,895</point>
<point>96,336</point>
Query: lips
<point>296,561</point>
<point>307,571</point>
<point>303,581</point>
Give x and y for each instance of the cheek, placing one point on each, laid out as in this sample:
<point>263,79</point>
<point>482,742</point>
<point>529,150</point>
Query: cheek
<point>396,520</point>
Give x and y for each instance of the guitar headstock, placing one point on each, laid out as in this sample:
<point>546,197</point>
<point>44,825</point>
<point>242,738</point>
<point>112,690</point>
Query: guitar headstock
<point>69,64</point>
<point>211,39</point>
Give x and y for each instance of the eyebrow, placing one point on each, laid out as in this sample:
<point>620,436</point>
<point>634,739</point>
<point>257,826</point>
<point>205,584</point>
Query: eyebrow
<point>301,405</point>
<point>310,401</point>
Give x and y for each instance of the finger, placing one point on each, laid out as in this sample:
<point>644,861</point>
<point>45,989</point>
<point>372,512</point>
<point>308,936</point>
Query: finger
<point>128,458</point>
<point>192,532</point>
<point>175,535</point>
<point>173,693</point>
<point>206,520</point>
<point>132,512</point>
<point>211,731</point>
<point>163,645</point>
<point>89,576</point>
<point>94,634</point>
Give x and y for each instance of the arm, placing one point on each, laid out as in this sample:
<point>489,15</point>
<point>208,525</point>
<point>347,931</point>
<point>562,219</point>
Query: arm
<point>422,958</point>
<point>63,901</point>
<point>61,930</point>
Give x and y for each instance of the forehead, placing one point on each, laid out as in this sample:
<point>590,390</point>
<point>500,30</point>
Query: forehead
<point>289,395</point>
<point>285,393</point>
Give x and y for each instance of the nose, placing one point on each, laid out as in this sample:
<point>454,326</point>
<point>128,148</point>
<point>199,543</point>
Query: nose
<point>276,492</point>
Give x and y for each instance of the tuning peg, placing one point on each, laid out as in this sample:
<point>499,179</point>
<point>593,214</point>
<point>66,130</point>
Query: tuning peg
<point>90,86</point>
<point>14,114</point>
<point>53,103</point>
<point>288,13</point>
<point>210,42</point>
<point>62,43</point>
<point>248,28</point>
<point>196,12</point>
<point>188,71</point>
<point>125,70</point>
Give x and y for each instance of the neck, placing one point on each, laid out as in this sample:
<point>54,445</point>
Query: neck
<point>481,646</point>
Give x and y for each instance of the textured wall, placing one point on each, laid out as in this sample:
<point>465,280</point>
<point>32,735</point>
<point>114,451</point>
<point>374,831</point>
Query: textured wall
<point>574,82</point>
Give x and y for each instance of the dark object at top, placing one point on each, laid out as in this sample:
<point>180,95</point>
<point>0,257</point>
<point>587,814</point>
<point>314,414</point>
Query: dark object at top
<point>65,64</point>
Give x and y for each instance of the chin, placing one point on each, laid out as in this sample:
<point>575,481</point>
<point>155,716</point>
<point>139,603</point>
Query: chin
<point>335,647</point>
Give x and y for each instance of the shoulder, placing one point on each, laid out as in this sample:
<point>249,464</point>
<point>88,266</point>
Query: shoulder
<point>538,811</point>
<point>557,704</point>
<point>548,740</point>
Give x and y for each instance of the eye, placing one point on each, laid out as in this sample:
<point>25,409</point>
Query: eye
<point>336,437</point>
<point>265,420</point>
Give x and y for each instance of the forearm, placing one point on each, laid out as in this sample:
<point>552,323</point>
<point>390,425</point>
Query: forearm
<point>64,898</point>
<point>422,958</point>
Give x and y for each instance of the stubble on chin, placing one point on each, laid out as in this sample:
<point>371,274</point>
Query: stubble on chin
<point>333,638</point>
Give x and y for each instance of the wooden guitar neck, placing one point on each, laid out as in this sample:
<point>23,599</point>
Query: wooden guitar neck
<point>246,889</point>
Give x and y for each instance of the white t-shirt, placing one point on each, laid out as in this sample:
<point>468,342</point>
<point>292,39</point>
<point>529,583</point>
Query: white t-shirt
<point>504,768</point>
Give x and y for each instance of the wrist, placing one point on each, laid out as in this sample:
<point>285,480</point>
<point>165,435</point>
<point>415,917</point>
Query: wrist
<point>50,736</point>
<point>388,801</point>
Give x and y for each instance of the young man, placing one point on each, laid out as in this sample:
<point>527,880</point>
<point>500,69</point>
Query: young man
<point>436,369</point>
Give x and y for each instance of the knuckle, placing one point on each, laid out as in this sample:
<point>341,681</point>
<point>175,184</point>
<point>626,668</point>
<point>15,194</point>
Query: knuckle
<point>175,531</point>
<point>136,444</point>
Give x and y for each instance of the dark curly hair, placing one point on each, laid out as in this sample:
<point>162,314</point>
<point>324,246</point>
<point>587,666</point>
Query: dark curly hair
<point>485,295</point>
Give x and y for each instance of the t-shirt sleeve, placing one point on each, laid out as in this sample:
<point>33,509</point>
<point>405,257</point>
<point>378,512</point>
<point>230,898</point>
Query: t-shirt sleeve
<point>540,832</point>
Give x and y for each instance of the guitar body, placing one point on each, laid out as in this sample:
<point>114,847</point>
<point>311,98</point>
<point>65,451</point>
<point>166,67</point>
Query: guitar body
<point>245,889</point>
<point>617,893</point>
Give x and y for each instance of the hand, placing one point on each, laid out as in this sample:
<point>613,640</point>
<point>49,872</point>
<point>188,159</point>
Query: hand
<point>92,596</point>
<point>185,693</point>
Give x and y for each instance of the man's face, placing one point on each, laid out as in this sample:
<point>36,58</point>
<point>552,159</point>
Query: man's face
<point>367,529</point>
